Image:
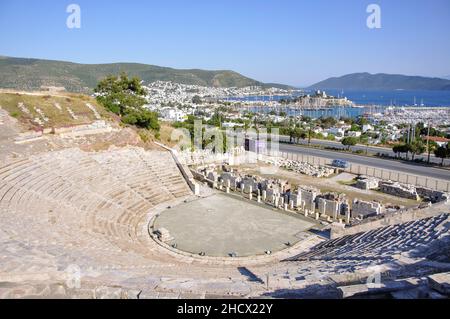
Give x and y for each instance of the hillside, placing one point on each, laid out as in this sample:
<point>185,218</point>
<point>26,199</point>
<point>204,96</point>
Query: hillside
<point>31,74</point>
<point>367,81</point>
<point>47,111</point>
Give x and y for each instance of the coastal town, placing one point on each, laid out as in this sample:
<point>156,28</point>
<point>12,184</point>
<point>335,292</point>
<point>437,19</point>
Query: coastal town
<point>175,101</point>
<point>256,108</point>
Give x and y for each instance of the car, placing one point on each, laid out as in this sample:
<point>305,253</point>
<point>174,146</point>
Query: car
<point>340,163</point>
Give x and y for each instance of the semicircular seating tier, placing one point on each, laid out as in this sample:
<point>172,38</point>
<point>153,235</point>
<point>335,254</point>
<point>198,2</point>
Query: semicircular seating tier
<point>92,210</point>
<point>89,209</point>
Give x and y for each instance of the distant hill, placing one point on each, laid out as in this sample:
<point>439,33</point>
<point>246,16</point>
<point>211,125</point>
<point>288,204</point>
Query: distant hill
<point>31,74</point>
<point>367,81</point>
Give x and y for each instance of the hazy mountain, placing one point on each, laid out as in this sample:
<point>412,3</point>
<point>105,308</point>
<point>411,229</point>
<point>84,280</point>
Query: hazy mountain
<point>31,74</point>
<point>367,81</point>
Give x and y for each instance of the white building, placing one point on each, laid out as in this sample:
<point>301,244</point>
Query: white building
<point>172,114</point>
<point>336,131</point>
<point>354,133</point>
<point>367,127</point>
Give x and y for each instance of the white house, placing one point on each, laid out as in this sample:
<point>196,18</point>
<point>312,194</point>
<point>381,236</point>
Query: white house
<point>317,130</point>
<point>172,114</point>
<point>367,127</point>
<point>336,131</point>
<point>354,133</point>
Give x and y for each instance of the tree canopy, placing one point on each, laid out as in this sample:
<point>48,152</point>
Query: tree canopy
<point>349,141</point>
<point>417,147</point>
<point>126,98</point>
<point>442,152</point>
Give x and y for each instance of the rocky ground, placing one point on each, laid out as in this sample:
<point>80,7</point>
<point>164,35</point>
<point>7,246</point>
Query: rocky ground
<point>10,150</point>
<point>340,184</point>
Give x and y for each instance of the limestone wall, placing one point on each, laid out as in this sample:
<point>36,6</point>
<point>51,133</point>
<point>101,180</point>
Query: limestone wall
<point>399,190</point>
<point>364,208</point>
<point>185,171</point>
<point>329,207</point>
<point>367,183</point>
<point>434,196</point>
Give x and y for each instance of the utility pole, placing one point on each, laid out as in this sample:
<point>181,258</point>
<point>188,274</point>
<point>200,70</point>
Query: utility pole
<point>367,146</point>
<point>428,142</point>
<point>409,132</point>
<point>309,134</point>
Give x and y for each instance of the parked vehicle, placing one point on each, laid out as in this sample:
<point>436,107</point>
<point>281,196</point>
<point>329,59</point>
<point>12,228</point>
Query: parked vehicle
<point>340,163</point>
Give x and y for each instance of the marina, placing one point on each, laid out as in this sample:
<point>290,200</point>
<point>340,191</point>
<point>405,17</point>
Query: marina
<point>372,104</point>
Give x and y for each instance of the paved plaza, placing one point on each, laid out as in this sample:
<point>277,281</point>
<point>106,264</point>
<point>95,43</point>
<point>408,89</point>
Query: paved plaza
<point>219,225</point>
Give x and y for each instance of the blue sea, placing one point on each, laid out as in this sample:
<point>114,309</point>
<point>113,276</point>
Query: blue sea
<point>372,100</point>
<point>336,112</point>
<point>396,98</point>
<point>374,97</point>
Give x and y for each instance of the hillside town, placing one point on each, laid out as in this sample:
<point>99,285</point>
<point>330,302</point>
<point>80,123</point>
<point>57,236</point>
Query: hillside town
<point>237,108</point>
<point>174,101</point>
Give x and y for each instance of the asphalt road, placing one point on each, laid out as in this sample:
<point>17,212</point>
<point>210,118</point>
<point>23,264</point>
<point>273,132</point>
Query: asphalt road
<point>409,168</point>
<point>370,149</point>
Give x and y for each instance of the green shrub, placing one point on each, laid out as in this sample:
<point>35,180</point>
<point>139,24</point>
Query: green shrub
<point>126,98</point>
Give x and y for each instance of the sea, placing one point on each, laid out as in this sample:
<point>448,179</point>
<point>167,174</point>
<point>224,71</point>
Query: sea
<point>368,101</point>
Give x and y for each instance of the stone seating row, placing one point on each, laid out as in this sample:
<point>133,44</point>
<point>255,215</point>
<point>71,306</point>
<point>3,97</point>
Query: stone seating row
<point>65,207</point>
<point>380,243</point>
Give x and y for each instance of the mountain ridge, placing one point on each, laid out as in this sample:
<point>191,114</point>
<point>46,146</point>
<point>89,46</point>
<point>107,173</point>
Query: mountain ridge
<point>32,74</point>
<point>383,81</point>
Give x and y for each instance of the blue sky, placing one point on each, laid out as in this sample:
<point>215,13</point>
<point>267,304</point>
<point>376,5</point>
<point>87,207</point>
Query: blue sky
<point>294,42</point>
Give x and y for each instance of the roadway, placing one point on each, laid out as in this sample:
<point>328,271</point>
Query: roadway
<point>393,165</point>
<point>409,168</point>
<point>364,148</point>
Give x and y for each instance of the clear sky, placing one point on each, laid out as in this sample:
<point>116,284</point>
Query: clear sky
<point>294,42</point>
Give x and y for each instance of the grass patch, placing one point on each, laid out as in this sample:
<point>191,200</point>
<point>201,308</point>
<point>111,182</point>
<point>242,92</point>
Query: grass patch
<point>15,114</point>
<point>165,134</point>
<point>47,103</point>
<point>347,183</point>
<point>144,135</point>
